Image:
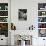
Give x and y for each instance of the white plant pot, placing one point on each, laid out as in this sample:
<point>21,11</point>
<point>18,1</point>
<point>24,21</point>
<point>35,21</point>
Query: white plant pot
<point>22,43</point>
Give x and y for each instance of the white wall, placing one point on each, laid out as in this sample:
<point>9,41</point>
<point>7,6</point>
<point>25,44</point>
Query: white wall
<point>32,14</point>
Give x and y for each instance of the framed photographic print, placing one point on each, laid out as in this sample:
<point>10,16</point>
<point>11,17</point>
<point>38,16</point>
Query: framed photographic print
<point>22,14</point>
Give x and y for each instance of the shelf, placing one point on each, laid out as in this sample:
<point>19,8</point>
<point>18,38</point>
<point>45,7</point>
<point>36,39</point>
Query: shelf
<point>41,10</point>
<point>3,16</point>
<point>41,28</point>
<point>42,16</point>
<point>3,22</point>
<point>3,10</point>
<point>41,22</point>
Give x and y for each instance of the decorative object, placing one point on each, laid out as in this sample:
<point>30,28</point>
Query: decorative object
<point>27,38</point>
<point>6,7</point>
<point>41,6</point>
<point>42,32</point>
<point>43,13</point>
<point>22,43</point>
<point>22,14</point>
<point>13,27</point>
<point>3,6</point>
<point>41,25</point>
<point>3,13</point>
<point>31,27</point>
<point>23,40</point>
<point>42,19</point>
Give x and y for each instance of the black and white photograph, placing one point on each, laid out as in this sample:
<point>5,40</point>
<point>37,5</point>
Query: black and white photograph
<point>22,14</point>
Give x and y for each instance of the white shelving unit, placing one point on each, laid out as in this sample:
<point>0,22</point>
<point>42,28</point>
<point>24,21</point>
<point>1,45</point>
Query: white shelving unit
<point>4,15</point>
<point>42,18</point>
